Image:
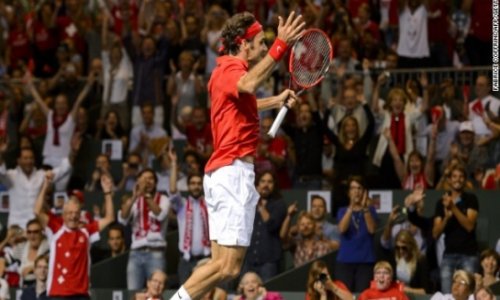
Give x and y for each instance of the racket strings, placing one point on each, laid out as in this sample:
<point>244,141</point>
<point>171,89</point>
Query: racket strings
<point>310,58</point>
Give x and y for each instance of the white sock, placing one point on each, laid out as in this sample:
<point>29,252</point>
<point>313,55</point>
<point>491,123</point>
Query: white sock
<point>181,294</point>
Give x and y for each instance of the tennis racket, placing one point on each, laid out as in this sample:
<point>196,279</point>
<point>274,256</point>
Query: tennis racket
<point>310,59</point>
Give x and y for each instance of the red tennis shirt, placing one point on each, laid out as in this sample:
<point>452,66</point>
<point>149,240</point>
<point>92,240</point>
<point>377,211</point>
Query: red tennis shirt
<point>234,116</point>
<point>69,263</point>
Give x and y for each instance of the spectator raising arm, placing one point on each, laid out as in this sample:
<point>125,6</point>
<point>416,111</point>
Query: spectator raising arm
<point>40,200</point>
<point>109,213</point>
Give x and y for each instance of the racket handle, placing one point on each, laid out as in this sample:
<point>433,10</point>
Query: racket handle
<point>277,122</point>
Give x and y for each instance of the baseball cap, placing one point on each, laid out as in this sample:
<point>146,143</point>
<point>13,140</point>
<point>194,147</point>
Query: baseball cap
<point>78,194</point>
<point>466,126</point>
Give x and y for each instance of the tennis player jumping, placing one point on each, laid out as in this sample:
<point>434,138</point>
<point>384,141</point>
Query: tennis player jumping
<point>230,193</point>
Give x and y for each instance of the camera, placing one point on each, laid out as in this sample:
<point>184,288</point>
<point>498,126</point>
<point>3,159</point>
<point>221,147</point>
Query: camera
<point>322,277</point>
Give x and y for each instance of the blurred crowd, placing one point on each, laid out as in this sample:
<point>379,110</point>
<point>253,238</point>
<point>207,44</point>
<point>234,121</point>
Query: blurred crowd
<point>116,89</point>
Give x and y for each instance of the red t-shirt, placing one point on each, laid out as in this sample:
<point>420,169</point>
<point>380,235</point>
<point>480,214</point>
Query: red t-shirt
<point>199,138</point>
<point>234,116</point>
<point>45,38</point>
<point>69,264</point>
<point>19,46</point>
<point>394,292</point>
<point>481,20</point>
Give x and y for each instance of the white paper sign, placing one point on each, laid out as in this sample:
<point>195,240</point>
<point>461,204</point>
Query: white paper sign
<point>382,200</point>
<point>117,295</point>
<point>113,149</point>
<point>327,195</point>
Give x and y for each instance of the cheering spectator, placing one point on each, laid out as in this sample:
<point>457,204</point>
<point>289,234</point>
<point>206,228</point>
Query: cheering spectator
<point>117,75</point>
<point>462,287</point>
<point>102,167</point>
<point>192,219</point>
<point>210,34</point>
<point>483,105</point>
<point>264,253</point>
<point>303,242</point>
<point>320,286</point>
<point>411,267</point>
<point>383,285</point>
<point>35,245</point>
<point>273,154</point>
<point>38,291</point>
<point>325,229</point>
<point>111,129</point>
<point>147,211</point>
<point>478,43</point>
<point>251,288</point>
<point>24,183</point>
<point>70,244</point>
<point>142,135</point>
<point>130,170</point>
<point>357,224</point>
<point>456,217</point>
<point>490,264</point>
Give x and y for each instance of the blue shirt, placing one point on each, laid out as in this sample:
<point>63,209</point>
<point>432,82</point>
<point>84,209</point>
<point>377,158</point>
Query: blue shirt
<point>356,244</point>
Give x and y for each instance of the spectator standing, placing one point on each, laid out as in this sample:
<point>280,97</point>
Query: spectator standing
<point>70,243</point>
<point>264,252</point>
<point>192,219</point>
<point>478,42</point>
<point>24,184</point>
<point>482,104</point>
<point>142,135</point>
<point>147,211</point>
<point>118,74</point>
<point>357,224</point>
<point>456,216</point>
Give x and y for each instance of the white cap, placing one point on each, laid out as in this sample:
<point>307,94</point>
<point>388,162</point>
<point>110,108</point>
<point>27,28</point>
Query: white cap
<point>466,126</point>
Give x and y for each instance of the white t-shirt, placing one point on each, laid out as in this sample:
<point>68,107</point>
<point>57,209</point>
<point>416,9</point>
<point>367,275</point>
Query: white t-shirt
<point>122,78</point>
<point>54,154</point>
<point>413,40</point>
<point>480,127</point>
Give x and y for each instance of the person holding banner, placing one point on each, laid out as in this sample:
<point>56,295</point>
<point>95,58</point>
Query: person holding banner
<point>231,198</point>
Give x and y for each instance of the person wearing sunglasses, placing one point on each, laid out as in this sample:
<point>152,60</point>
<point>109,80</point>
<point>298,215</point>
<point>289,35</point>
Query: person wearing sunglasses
<point>462,287</point>
<point>35,245</point>
<point>409,265</point>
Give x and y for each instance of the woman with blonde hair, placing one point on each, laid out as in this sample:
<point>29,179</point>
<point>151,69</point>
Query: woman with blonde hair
<point>400,116</point>
<point>251,287</point>
<point>462,287</point>
<point>320,286</point>
<point>410,266</point>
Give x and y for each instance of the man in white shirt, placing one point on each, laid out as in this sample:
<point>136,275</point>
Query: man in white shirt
<point>478,108</point>
<point>141,135</point>
<point>24,183</point>
<point>147,212</point>
<point>192,217</point>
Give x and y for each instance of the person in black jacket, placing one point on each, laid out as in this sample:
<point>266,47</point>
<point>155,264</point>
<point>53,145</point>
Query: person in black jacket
<point>264,252</point>
<point>410,266</point>
<point>38,291</point>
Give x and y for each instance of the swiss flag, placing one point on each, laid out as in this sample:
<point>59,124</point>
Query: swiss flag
<point>478,108</point>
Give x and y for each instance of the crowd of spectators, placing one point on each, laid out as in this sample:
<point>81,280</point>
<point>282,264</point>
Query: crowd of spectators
<point>130,77</point>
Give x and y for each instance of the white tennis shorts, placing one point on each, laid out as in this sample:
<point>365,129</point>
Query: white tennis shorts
<point>231,200</point>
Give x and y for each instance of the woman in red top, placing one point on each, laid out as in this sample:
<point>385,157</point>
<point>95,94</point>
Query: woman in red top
<point>321,287</point>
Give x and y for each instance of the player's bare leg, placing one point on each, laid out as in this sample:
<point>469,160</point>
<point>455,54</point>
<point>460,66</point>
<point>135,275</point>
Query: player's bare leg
<point>226,265</point>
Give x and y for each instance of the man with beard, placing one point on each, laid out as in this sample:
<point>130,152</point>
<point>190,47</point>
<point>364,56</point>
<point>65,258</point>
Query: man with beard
<point>147,211</point>
<point>192,219</point>
<point>304,242</point>
<point>264,252</point>
<point>456,217</point>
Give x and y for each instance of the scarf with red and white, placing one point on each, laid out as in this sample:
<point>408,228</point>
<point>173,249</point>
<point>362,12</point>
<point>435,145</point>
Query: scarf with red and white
<point>146,222</point>
<point>57,122</point>
<point>412,181</point>
<point>188,228</point>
